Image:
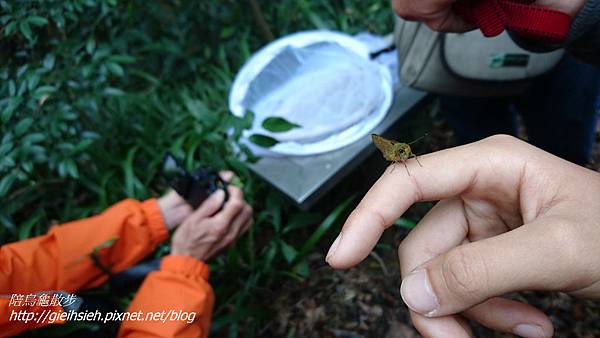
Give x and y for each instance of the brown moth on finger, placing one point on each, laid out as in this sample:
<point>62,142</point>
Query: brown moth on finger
<point>394,151</point>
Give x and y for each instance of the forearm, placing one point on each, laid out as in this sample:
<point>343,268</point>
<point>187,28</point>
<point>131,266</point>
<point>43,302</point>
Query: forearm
<point>62,259</point>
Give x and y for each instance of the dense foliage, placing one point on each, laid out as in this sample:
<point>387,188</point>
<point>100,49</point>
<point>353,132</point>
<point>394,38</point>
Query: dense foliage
<point>94,92</point>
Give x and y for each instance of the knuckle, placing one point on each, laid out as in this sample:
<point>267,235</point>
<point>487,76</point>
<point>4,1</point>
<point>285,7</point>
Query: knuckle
<point>375,217</point>
<point>226,173</point>
<point>230,237</point>
<point>220,230</point>
<point>464,273</point>
<point>436,25</point>
<point>498,147</point>
<point>236,204</point>
<point>500,138</point>
<point>236,191</point>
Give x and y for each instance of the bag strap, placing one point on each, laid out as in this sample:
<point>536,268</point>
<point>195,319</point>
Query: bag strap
<point>519,16</point>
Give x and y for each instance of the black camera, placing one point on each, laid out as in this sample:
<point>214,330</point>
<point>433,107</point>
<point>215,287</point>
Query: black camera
<point>194,187</point>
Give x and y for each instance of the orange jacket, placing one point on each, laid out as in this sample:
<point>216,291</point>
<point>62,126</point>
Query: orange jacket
<point>61,261</point>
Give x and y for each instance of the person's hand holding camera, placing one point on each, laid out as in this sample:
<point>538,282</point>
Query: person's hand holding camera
<point>511,217</point>
<point>213,226</point>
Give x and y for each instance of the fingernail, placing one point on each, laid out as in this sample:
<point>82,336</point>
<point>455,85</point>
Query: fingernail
<point>218,195</point>
<point>417,293</point>
<point>528,331</point>
<point>333,248</point>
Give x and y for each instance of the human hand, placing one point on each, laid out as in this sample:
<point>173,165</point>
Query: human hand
<point>511,218</point>
<point>174,209</point>
<point>440,16</point>
<point>436,14</point>
<point>208,230</point>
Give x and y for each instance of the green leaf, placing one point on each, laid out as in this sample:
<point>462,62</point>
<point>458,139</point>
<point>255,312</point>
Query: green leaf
<point>115,68</point>
<point>6,162</point>
<point>106,244</point>
<point>327,223</point>
<point>302,269</point>
<point>200,111</point>
<point>25,29</point>
<point>405,223</point>
<point>278,125</point>
<point>8,29</point>
<point>49,61</point>
<point>81,146</point>
<point>72,169</point>
<point>27,167</point>
<point>302,220</point>
<point>5,148</point>
<point>21,70</point>
<point>227,32</point>
<point>25,228</point>
<point>269,256</point>
<point>32,81</point>
<point>289,253</point>
<point>12,88</point>
<point>236,182</point>
<point>146,76</point>
<point>128,168</point>
<point>90,45</point>
<point>6,183</point>
<point>37,20</point>
<point>13,103</point>
<point>248,119</point>
<point>112,91</point>
<point>22,88</point>
<point>34,138</point>
<point>43,91</point>
<point>122,58</point>
<point>263,140</point>
<point>62,169</point>
<point>23,126</point>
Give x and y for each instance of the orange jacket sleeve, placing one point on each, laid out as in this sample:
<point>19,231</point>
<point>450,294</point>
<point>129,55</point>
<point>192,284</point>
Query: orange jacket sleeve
<point>60,260</point>
<point>179,292</point>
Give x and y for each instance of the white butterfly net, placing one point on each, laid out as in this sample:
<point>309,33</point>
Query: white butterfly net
<point>335,95</point>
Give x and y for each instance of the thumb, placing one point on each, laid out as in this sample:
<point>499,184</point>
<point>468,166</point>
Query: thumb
<point>526,258</point>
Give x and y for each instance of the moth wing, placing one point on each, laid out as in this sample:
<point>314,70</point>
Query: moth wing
<point>385,145</point>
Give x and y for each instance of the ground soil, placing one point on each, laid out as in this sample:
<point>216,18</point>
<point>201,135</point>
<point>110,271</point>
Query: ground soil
<point>365,301</point>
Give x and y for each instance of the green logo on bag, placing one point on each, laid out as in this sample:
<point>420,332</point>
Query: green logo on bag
<point>509,60</point>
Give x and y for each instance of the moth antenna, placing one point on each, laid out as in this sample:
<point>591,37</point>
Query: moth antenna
<point>419,139</point>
